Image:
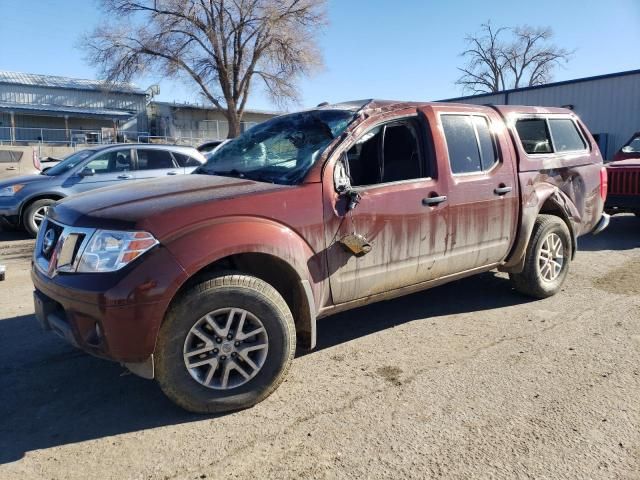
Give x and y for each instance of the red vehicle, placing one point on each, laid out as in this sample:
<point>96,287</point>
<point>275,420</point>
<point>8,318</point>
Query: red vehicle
<point>624,187</point>
<point>631,149</point>
<point>208,283</point>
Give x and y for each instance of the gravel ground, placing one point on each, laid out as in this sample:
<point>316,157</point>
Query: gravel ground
<point>468,380</point>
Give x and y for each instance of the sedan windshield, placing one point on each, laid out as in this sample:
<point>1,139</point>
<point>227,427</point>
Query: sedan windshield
<point>280,150</point>
<point>68,163</point>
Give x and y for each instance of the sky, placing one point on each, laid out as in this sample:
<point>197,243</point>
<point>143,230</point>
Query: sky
<point>391,49</point>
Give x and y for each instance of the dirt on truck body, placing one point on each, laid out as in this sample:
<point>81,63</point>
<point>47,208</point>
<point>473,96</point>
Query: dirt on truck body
<point>208,283</point>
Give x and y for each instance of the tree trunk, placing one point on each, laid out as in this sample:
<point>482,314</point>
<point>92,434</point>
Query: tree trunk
<point>233,120</point>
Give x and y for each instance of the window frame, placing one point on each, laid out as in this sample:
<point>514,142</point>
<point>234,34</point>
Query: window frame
<point>425,154</point>
<point>170,152</point>
<point>546,118</point>
<point>496,144</point>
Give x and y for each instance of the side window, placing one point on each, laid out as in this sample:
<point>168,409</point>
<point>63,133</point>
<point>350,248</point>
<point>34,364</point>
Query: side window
<point>149,159</point>
<point>118,161</point>
<point>565,135</point>
<point>488,150</point>
<point>462,145</point>
<point>534,135</point>
<point>185,160</point>
<point>386,153</point>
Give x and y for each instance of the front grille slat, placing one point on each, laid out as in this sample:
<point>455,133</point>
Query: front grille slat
<point>624,181</point>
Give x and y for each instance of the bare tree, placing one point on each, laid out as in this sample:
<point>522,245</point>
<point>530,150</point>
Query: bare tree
<point>495,63</point>
<point>221,45</point>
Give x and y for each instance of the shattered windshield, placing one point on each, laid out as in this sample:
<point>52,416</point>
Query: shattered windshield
<point>280,150</point>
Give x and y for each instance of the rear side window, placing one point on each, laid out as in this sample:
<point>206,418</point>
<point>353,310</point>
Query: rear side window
<point>565,135</point>
<point>470,144</point>
<point>534,135</point>
<point>186,160</point>
<point>154,159</point>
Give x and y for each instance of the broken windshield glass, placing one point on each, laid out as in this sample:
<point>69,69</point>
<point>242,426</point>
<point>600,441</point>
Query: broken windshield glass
<point>280,150</point>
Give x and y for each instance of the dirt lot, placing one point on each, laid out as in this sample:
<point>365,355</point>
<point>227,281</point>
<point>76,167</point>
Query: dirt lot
<point>469,380</point>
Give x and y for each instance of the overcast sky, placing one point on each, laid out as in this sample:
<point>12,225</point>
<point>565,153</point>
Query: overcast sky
<point>395,49</point>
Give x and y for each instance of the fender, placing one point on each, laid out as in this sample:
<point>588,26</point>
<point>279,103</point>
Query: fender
<point>542,197</point>
<point>226,236</point>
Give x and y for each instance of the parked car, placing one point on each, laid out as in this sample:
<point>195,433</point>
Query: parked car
<point>631,149</point>
<point>209,282</point>
<point>624,187</point>
<point>24,200</point>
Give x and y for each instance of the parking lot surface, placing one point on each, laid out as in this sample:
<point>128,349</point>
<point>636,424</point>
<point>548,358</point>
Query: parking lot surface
<point>468,380</point>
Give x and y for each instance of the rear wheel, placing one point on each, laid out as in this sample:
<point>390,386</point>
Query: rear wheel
<point>547,259</point>
<point>225,345</point>
<point>34,214</point>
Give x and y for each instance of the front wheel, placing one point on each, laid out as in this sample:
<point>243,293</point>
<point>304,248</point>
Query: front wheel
<point>34,215</point>
<point>227,344</point>
<point>547,259</point>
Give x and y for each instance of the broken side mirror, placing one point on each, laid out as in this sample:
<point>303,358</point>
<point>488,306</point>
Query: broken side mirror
<point>341,179</point>
<point>342,182</point>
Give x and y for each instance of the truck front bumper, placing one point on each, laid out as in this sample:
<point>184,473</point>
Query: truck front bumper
<point>110,315</point>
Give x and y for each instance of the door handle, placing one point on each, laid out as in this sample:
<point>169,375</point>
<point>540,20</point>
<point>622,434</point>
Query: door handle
<point>502,190</point>
<point>124,177</point>
<point>430,201</point>
<point>172,173</point>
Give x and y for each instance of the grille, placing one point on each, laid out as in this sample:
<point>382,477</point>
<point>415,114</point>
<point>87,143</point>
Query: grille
<point>59,247</point>
<point>49,241</point>
<point>624,181</point>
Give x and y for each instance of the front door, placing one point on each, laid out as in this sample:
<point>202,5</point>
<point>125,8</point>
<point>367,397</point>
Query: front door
<point>390,168</point>
<point>112,167</point>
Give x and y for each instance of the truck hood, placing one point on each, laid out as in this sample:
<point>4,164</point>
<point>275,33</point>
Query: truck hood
<point>138,203</point>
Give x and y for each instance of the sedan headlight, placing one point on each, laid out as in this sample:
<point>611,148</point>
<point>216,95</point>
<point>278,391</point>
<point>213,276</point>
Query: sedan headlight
<point>11,190</point>
<point>110,250</point>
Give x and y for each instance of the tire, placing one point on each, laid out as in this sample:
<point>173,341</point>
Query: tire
<point>531,281</point>
<point>30,220</point>
<point>242,293</point>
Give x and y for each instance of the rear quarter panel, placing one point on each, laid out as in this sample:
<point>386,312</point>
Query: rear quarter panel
<point>568,182</point>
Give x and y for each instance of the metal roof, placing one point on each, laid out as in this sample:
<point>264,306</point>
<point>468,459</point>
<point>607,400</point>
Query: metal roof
<point>197,106</point>
<point>61,110</point>
<point>54,81</point>
<point>547,85</point>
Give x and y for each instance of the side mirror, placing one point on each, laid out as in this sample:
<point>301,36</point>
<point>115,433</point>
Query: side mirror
<point>87,172</point>
<point>627,149</point>
<point>341,180</point>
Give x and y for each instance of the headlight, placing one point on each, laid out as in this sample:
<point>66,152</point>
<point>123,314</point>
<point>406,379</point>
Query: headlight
<point>110,250</point>
<point>11,191</point>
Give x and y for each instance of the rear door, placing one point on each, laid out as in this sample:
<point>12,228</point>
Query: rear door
<point>483,190</point>
<point>155,162</point>
<point>186,163</point>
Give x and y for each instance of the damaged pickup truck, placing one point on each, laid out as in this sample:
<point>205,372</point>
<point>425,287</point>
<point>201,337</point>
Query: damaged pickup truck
<point>208,283</point>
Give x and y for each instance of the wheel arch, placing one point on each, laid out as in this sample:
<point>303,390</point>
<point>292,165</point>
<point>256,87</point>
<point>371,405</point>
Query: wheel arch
<point>35,198</point>
<point>271,252</point>
<point>550,201</point>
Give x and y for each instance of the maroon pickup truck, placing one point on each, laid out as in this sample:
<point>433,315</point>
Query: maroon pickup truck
<point>207,283</point>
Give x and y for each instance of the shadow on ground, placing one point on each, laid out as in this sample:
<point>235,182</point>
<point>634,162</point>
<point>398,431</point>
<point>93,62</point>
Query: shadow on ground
<point>623,233</point>
<point>52,394</point>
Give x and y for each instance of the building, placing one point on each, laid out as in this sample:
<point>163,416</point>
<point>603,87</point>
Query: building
<point>53,109</point>
<point>608,104</point>
<point>184,122</point>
